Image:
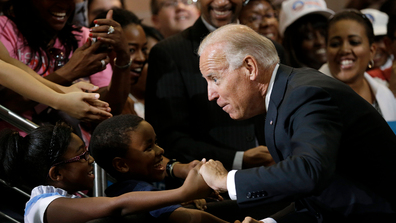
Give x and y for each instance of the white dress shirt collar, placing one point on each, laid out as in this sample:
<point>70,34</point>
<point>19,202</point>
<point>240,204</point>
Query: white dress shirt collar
<point>270,86</point>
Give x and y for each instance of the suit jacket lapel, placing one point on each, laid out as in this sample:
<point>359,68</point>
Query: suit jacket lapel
<point>276,98</point>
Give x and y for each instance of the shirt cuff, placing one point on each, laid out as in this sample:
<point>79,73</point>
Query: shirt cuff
<point>231,184</point>
<point>268,220</point>
<point>238,159</point>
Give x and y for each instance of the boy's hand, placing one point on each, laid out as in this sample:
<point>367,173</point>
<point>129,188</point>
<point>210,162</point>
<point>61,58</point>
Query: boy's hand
<point>180,170</point>
<point>194,187</point>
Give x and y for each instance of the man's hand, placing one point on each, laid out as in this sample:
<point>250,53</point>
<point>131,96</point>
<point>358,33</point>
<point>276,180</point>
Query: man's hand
<point>214,174</point>
<point>258,156</point>
<point>248,220</point>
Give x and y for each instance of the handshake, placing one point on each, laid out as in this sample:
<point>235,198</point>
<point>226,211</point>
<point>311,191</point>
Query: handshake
<point>209,176</point>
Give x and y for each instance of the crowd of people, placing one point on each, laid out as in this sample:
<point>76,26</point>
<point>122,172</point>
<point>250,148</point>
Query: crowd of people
<point>281,110</point>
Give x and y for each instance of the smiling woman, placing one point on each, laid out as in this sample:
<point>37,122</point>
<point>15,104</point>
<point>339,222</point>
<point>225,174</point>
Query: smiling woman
<point>350,51</point>
<point>137,46</point>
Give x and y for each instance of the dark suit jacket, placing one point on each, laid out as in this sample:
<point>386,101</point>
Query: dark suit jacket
<point>334,152</point>
<point>187,125</point>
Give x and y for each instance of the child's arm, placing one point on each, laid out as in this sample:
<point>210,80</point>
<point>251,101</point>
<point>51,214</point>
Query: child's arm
<point>77,104</point>
<point>186,215</point>
<point>85,209</point>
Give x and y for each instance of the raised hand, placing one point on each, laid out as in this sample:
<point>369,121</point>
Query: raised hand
<point>258,156</point>
<point>110,32</point>
<point>84,62</point>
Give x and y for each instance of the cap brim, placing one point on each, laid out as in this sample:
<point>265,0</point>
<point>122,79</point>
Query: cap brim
<point>325,12</point>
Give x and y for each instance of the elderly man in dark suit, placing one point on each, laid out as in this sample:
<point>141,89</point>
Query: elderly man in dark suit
<point>187,124</point>
<point>334,153</point>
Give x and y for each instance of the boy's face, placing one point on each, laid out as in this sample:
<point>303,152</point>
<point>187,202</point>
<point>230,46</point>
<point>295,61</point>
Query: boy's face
<point>144,157</point>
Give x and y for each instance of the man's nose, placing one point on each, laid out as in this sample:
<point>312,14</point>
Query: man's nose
<point>212,95</point>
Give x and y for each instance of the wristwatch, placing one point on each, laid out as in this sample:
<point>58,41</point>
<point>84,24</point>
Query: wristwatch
<point>169,167</point>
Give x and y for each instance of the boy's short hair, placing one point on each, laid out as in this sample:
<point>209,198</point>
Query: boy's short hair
<point>111,138</point>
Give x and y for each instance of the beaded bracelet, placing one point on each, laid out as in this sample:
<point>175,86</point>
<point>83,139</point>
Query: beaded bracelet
<point>122,67</point>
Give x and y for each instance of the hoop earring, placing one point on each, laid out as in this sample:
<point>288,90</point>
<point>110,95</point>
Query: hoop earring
<point>371,64</point>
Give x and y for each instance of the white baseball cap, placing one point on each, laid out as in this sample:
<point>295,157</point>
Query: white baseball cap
<point>378,19</point>
<point>294,9</point>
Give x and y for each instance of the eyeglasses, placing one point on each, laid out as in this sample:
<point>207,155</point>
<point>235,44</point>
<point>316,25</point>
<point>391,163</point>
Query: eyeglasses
<point>85,156</point>
<point>174,3</point>
<point>59,56</point>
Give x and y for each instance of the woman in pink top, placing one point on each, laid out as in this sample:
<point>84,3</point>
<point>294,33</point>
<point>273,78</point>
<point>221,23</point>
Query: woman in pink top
<point>39,33</point>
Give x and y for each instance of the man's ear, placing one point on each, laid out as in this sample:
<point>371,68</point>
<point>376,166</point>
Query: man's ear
<point>250,64</point>
<point>120,165</point>
<point>54,174</point>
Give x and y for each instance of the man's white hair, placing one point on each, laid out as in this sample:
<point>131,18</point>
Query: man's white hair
<point>238,41</point>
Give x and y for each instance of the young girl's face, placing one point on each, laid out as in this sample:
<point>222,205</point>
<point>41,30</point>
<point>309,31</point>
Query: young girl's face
<point>78,174</point>
<point>144,156</point>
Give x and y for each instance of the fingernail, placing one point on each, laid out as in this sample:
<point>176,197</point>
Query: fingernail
<point>95,21</point>
<point>97,95</point>
<point>90,34</point>
<point>90,30</point>
<point>95,87</point>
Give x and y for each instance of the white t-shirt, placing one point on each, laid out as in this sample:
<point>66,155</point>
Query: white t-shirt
<point>40,198</point>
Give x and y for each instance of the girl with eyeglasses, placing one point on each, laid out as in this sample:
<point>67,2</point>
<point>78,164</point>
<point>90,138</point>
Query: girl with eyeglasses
<point>56,164</point>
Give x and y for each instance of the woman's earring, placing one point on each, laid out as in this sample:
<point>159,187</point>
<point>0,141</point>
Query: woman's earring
<point>371,64</point>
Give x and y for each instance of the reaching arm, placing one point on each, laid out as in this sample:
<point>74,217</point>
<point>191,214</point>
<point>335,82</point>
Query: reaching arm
<point>77,104</point>
<point>85,209</point>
